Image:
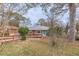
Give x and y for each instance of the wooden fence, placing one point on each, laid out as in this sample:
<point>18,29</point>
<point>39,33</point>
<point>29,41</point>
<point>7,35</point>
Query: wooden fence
<point>9,38</point>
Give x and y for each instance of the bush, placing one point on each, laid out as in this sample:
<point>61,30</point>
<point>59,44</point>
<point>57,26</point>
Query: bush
<point>23,32</point>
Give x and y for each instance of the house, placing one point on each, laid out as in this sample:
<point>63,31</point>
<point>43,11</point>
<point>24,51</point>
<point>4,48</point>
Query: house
<point>34,31</point>
<point>38,31</point>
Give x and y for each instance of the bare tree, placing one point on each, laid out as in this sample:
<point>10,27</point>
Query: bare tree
<point>7,10</point>
<point>72,14</point>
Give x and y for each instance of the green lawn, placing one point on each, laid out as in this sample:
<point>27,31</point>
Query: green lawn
<point>35,47</point>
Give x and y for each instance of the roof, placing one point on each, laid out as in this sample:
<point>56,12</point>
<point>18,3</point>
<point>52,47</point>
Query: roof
<point>38,28</point>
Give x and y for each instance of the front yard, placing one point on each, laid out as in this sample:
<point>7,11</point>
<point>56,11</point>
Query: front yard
<point>37,47</point>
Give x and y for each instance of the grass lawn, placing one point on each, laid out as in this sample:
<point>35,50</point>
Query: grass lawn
<point>37,47</point>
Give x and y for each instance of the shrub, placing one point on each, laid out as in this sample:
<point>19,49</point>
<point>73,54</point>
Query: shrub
<point>23,31</point>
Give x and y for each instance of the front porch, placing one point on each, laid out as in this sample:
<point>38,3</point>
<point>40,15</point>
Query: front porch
<point>37,34</point>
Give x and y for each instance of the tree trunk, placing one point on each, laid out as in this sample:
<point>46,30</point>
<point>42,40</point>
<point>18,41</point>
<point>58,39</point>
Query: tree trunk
<point>52,37</point>
<point>72,14</point>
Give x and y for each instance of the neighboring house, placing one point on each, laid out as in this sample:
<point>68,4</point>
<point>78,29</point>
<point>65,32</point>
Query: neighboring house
<point>38,31</point>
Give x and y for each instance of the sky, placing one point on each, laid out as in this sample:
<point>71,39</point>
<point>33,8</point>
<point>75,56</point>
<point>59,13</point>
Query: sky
<point>34,14</point>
